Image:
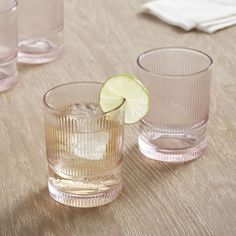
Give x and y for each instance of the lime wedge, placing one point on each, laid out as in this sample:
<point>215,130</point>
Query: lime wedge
<point>129,88</point>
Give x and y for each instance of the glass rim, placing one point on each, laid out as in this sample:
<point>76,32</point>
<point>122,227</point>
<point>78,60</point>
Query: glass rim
<point>78,82</point>
<point>208,67</point>
<point>10,9</point>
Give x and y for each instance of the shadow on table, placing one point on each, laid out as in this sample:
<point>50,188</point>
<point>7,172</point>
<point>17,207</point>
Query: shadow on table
<point>25,67</point>
<point>141,172</point>
<point>39,214</point>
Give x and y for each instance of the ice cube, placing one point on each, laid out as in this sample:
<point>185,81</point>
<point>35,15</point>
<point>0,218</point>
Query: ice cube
<point>92,146</point>
<point>87,145</point>
<point>84,110</point>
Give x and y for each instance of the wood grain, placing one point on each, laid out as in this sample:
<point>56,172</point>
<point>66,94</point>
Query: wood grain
<point>103,38</point>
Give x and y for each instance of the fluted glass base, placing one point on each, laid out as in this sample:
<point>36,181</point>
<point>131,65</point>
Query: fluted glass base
<point>85,201</point>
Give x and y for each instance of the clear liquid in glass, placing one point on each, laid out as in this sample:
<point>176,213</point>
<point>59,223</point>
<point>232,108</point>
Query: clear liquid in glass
<point>84,167</point>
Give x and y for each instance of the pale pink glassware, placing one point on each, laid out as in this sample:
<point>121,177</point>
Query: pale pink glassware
<point>8,44</point>
<point>175,129</point>
<point>84,145</point>
<point>40,30</point>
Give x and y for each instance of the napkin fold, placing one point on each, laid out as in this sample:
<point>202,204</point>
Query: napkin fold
<point>204,15</point>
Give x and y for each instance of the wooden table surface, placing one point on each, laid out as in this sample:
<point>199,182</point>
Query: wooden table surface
<point>104,38</point>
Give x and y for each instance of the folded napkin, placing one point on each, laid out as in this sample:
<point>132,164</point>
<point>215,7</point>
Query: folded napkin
<point>205,15</point>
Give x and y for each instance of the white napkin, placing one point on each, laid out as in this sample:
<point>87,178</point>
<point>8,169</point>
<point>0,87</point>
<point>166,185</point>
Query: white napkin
<point>205,15</point>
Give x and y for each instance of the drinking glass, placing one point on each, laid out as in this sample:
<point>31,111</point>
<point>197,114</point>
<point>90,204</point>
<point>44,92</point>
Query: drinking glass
<point>8,44</point>
<point>84,145</point>
<point>175,129</point>
<point>40,30</point>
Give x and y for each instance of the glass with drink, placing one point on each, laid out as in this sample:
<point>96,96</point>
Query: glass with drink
<point>84,145</point>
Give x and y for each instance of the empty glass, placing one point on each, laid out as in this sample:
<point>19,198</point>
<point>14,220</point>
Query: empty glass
<point>84,146</point>
<point>179,82</point>
<point>8,44</point>
<point>40,30</point>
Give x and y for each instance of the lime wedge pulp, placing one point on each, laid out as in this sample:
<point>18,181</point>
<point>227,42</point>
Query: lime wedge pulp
<point>127,87</point>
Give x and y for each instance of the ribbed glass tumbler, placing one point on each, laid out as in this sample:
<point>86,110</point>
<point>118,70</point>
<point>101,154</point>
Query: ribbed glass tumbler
<point>175,129</point>
<point>84,146</point>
